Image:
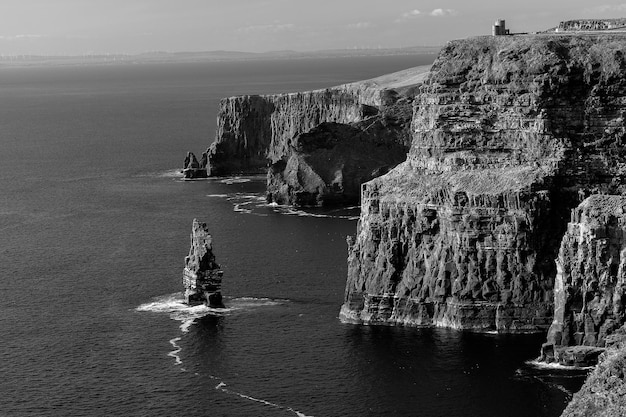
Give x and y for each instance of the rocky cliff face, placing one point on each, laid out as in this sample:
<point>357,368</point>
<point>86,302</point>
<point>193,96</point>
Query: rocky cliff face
<point>319,145</point>
<point>590,285</point>
<point>253,130</point>
<point>508,135</point>
<point>604,391</point>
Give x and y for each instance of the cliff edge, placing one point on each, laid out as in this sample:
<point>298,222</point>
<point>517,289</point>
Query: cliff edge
<point>509,134</point>
<point>318,147</point>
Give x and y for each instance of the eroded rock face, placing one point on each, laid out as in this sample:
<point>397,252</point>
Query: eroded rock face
<point>202,277</point>
<point>604,392</point>
<point>509,134</point>
<point>319,145</point>
<point>590,285</point>
<point>255,130</point>
<point>328,164</point>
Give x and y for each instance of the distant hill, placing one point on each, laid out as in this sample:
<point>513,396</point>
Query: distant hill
<point>207,56</point>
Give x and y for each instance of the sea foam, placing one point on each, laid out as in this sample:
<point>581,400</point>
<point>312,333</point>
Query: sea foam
<point>557,366</point>
<point>222,387</point>
<point>173,304</point>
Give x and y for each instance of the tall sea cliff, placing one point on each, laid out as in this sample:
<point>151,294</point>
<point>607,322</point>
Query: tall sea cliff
<point>508,135</point>
<point>318,147</point>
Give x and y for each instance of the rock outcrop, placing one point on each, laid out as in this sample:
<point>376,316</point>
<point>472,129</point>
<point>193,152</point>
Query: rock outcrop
<point>317,147</point>
<point>202,277</point>
<point>508,135</point>
<point>590,285</point>
<point>604,392</point>
<point>194,169</point>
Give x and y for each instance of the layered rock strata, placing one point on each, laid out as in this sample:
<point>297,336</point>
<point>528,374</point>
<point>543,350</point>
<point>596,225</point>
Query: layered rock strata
<point>202,277</point>
<point>590,285</point>
<point>319,145</point>
<point>508,135</point>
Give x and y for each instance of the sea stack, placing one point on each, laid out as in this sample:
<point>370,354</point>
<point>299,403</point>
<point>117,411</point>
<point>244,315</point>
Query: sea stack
<point>194,169</point>
<point>202,277</point>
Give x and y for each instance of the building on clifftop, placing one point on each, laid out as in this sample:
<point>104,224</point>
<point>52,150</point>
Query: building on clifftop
<point>499,28</point>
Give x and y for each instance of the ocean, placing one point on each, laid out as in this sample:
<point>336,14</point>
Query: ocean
<point>94,229</point>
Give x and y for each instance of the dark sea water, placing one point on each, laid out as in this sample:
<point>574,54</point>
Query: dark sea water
<point>94,228</point>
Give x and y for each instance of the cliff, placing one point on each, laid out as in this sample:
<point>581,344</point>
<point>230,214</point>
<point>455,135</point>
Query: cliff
<point>317,146</point>
<point>589,305</point>
<point>590,282</point>
<point>202,277</point>
<point>509,134</point>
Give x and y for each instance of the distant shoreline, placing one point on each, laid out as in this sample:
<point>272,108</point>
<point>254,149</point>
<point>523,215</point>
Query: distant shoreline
<point>21,61</point>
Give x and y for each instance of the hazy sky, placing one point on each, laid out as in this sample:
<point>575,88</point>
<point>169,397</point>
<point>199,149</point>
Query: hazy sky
<point>133,26</point>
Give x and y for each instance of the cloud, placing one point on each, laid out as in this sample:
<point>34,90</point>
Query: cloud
<point>442,12</point>
<point>434,13</point>
<point>274,28</point>
<point>359,25</point>
<point>408,15</point>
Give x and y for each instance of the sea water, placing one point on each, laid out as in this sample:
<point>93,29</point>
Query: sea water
<point>94,228</point>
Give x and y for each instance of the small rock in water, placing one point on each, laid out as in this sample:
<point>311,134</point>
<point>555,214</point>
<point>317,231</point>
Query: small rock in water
<point>194,169</point>
<point>202,277</point>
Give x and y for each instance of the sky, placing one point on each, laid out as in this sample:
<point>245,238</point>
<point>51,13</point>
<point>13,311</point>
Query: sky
<point>77,27</point>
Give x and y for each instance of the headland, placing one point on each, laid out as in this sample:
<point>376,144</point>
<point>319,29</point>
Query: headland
<point>515,159</point>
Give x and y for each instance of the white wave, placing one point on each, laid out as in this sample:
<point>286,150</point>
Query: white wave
<point>561,388</point>
<point>290,211</point>
<point>298,413</point>
<point>217,195</point>
<point>242,303</point>
<point>173,305</point>
<point>222,387</point>
<point>239,209</point>
<point>235,180</point>
<point>171,173</point>
<point>176,351</point>
<point>557,366</point>
<point>186,325</point>
<point>195,179</point>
